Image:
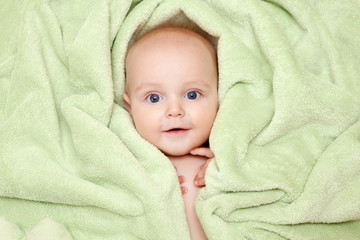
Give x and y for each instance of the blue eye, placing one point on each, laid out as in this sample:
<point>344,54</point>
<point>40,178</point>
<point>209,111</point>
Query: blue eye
<point>154,98</point>
<point>192,95</point>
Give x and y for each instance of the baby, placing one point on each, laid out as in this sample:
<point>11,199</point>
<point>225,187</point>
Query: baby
<point>171,94</point>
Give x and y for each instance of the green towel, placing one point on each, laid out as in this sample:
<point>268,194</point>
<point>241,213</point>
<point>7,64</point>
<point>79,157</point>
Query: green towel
<point>286,138</point>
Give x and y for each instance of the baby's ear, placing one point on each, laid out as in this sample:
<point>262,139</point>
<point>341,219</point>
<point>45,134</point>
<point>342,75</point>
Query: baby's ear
<point>127,103</point>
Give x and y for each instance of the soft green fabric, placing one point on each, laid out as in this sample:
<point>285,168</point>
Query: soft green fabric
<point>286,138</point>
<point>46,229</point>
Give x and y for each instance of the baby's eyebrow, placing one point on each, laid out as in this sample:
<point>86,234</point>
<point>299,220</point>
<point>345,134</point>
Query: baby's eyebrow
<point>152,85</point>
<point>145,86</point>
<point>198,82</point>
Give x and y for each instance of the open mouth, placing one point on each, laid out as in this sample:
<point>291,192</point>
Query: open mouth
<point>176,130</point>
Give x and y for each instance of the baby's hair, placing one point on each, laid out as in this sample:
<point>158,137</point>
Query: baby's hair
<point>178,21</point>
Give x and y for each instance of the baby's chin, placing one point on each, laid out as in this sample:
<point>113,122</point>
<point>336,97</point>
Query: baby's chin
<point>176,152</point>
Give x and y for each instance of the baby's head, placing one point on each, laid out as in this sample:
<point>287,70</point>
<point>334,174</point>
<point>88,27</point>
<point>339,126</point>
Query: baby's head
<point>171,89</point>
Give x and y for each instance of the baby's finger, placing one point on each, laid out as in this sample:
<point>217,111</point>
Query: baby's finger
<point>199,179</point>
<point>184,190</point>
<point>204,151</point>
<point>199,182</point>
<point>182,179</point>
<point>204,166</point>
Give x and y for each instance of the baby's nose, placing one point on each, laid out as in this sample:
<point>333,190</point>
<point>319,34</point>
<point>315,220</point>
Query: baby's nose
<point>175,109</point>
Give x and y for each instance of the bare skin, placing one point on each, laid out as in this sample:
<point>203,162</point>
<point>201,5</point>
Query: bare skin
<point>193,167</point>
<point>187,167</point>
<point>199,178</point>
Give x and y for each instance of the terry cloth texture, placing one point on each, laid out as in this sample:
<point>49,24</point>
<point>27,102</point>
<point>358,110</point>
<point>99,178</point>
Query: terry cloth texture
<point>286,138</point>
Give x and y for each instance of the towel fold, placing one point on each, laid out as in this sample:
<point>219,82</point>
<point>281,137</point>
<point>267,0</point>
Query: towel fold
<point>286,137</point>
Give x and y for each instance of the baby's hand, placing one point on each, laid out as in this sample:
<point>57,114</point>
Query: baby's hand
<point>181,181</point>
<point>199,179</point>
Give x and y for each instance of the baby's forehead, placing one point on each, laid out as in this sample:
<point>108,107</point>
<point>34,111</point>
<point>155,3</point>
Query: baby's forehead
<point>170,36</point>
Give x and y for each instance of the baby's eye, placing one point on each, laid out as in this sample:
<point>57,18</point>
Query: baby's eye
<point>192,95</point>
<point>154,98</point>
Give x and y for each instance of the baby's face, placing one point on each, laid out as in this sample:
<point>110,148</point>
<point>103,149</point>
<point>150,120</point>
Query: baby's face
<point>172,91</point>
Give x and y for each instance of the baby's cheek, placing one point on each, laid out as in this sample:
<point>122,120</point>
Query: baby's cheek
<point>145,129</point>
<point>148,127</point>
<point>205,116</point>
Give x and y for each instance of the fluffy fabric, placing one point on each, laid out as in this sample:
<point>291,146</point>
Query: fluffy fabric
<point>286,138</point>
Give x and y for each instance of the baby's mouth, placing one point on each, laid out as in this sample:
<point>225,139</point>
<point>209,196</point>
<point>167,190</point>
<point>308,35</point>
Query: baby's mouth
<point>176,130</point>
